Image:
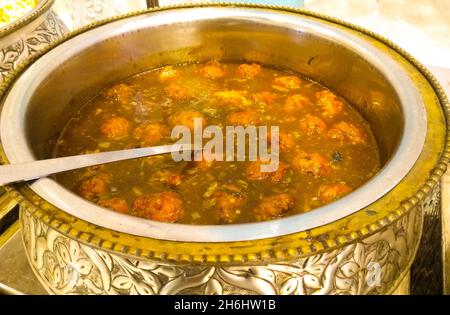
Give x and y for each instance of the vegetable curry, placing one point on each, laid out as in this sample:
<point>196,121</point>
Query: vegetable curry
<point>326,148</point>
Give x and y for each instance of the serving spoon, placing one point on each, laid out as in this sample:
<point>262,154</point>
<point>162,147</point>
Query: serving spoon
<point>13,173</point>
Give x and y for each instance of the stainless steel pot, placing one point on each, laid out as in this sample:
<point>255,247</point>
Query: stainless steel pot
<point>386,87</point>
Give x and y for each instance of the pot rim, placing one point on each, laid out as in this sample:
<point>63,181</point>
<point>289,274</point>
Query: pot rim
<point>293,245</point>
<point>42,7</point>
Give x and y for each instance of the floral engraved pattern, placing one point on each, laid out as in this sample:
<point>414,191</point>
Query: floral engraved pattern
<point>46,33</point>
<point>372,265</point>
<point>87,11</point>
<point>82,12</point>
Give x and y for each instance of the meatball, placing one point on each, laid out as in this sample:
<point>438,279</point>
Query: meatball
<point>120,92</point>
<point>165,206</point>
<point>115,127</point>
<point>274,206</point>
<point>213,70</point>
<point>286,141</point>
<point>115,203</point>
<point>347,133</point>
<point>152,133</point>
<point>228,206</point>
<point>295,103</point>
<point>331,192</point>
<point>170,178</point>
<point>186,118</point>
<point>253,172</point>
<point>248,71</point>
<point>287,83</point>
<point>329,103</point>
<point>311,163</point>
<point>168,73</point>
<point>177,92</point>
<point>243,118</point>
<point>232,98</point>
<point>264,98</point>
<point>311,125</point>
<point>95,187</point>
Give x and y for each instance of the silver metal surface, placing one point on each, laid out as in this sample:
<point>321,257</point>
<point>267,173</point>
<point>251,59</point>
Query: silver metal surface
<point>79,13</point>
<point>368,78</point>
<point>32,170</point>
<point>443,74</point>
<point>28,35</point>
<point>16,275</point>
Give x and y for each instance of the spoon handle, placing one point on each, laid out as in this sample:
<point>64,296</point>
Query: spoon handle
<point>12,173</point>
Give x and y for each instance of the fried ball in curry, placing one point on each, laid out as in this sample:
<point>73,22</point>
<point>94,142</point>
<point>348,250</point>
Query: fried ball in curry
<point>164,206</point>
<point>287,83</point>
<point>264,98</point>
<point>122,93</point>
<point>274,206</point>
<point>311,125</point>
<point>243,118</point>
<point>313,164</point>
<point>177,92</point>
<point>115,127</point>
<point>286,142</point>
<point>254,173</point>
<point>295,103</point>
<point>333,191</point>
<point>95,186</point>
<point>232,99</point>
<point>115,203</point>
<point>228,206</point>
<point>329,103</point>
<point>186,118</point>
<point>152,133</point>
<point>248,71</point>
<point>168,73</point>
<point>213,70</point>
<point>345,132</point>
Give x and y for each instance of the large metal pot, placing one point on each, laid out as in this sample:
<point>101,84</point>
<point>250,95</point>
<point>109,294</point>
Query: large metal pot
<point>363,243</point>
<point>28,35</point>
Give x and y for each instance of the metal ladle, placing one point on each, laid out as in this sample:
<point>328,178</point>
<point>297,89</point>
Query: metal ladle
<point>12,173</point>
